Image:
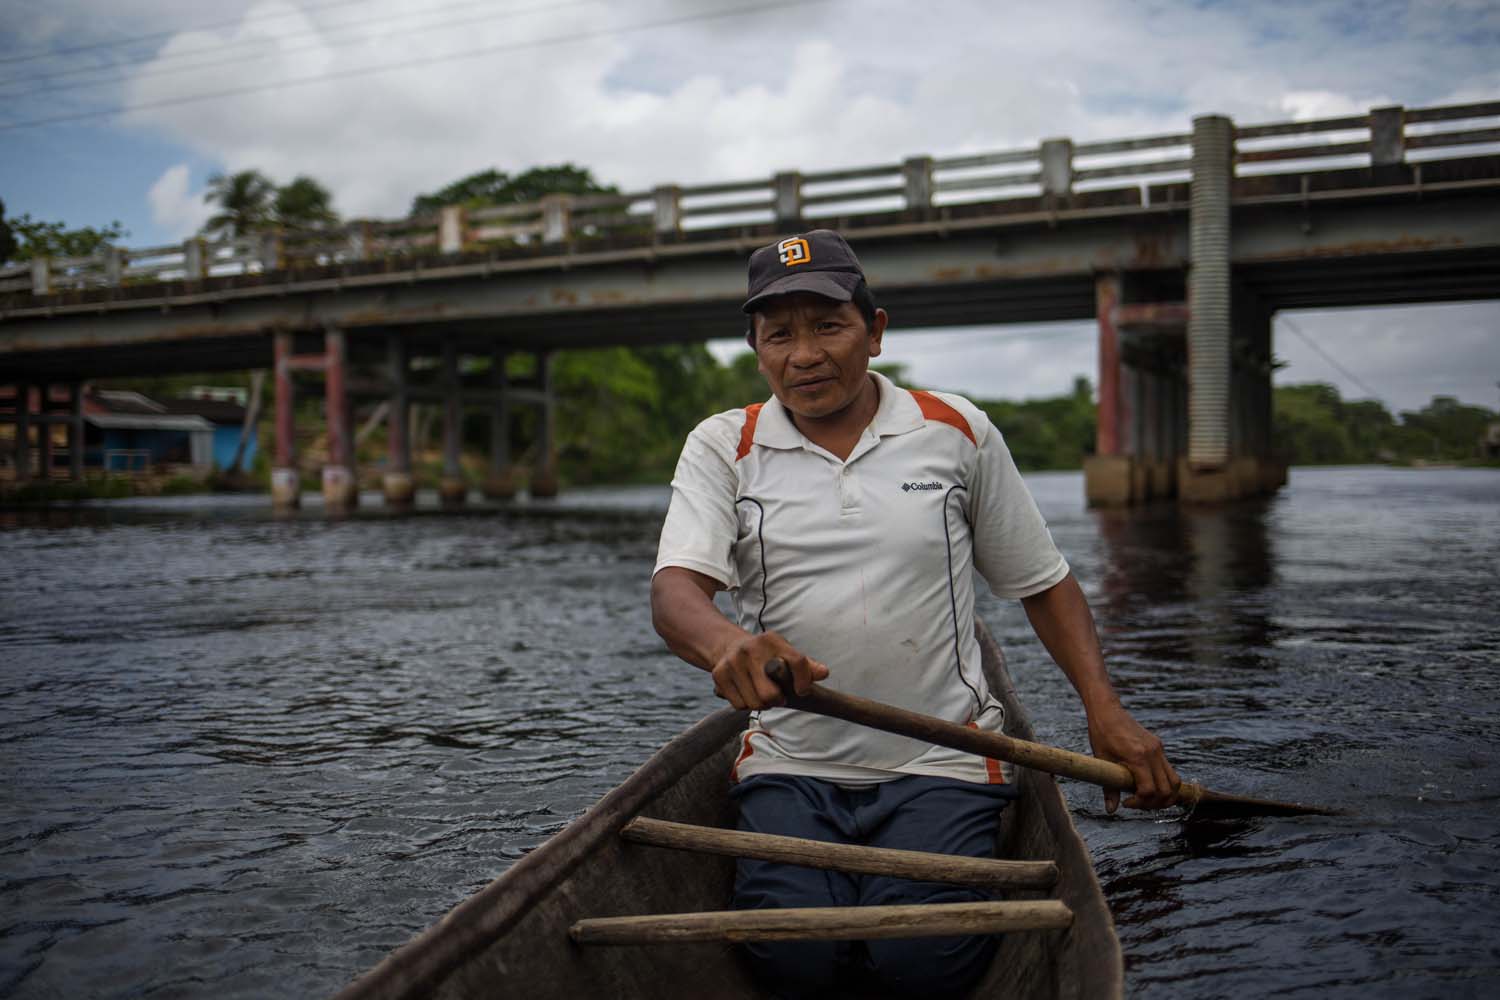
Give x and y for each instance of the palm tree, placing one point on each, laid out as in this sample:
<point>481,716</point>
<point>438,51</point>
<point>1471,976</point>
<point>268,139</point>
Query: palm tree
<point>304,203</point>
<point>244,201</point>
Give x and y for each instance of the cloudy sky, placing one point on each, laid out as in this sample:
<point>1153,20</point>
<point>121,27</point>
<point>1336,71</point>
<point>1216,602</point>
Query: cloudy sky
<point>122,109</point>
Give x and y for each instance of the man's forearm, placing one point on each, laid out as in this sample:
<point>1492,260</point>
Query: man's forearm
<point>685,616</point>
<point>1061,618</point>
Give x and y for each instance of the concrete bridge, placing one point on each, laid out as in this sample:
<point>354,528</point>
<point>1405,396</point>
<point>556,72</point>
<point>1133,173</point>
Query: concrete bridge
<point>1182,247</point>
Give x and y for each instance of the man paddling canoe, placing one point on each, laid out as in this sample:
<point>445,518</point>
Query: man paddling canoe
<point>846,516</point>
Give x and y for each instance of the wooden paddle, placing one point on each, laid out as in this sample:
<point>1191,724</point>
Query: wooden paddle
<point>1199,801</point>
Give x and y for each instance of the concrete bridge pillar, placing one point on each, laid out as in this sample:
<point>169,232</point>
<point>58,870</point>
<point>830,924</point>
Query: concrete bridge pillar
<point>286,486</point>
<point>544,474</point>
<point>453,490</point>
<point>500,484</point>
<point>397,484</point>
<point>1140,418</point>
<point>340,487</point>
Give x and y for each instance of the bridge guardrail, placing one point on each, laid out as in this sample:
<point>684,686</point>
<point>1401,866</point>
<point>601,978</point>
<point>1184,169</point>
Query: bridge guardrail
<point>1050,173</point>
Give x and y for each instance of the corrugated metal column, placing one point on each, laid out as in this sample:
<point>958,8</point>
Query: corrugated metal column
<point>75,431</point>
<point>286,488</point>
<point>452,489</point>
<point>397,483</point>
<point>500,484</point>
<point>340,490</point>
<point>1209,294</point>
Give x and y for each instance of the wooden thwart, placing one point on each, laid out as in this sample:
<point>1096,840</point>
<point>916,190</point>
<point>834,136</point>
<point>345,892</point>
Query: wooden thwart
<point>989,873</point>
<point>827,923</point>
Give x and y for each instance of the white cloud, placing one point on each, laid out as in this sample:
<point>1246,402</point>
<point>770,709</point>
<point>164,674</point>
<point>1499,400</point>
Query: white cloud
<point>1406,354</point>
<point>744,96</point>
<point>178,209</point>
<point>1305,105</point>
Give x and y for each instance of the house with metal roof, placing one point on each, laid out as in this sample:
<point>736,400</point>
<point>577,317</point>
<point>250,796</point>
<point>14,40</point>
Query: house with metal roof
<point>128,432</point>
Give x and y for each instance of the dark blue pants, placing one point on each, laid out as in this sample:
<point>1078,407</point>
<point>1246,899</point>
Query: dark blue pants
<point>917,813</point>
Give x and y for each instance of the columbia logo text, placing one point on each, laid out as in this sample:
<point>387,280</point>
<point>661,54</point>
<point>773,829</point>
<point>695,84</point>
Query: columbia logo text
<point>908,487</point>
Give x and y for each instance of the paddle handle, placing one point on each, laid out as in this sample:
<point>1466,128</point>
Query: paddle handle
<point>889,718</point>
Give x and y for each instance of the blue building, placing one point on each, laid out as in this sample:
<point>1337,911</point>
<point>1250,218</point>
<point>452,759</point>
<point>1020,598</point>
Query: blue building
<point>128,432</point>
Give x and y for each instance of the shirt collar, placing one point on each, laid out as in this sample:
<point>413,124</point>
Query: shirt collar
<point>896,413</point>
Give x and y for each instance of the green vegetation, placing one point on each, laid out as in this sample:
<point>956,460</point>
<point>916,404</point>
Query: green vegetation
<point>1313,425</point>
<point>303,204</point>
<point>1052,433</point>
<point>95,488</point>
<point>494,187</point>
<point>24,238</point>
<point>249,201</point>
<point>8,244</point>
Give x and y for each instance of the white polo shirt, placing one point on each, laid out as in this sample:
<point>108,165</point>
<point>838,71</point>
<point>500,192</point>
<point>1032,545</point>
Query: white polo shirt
<point>864,564</point>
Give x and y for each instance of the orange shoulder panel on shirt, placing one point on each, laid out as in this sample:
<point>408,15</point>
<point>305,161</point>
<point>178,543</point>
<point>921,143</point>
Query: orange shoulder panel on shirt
<point>935,409</point>
<point>747,432</point>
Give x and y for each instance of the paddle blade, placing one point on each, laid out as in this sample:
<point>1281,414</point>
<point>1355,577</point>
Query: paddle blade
<point>1221,805</point>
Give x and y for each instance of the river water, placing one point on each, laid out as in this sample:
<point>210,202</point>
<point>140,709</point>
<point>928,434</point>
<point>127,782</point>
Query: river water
<point>245,757</point>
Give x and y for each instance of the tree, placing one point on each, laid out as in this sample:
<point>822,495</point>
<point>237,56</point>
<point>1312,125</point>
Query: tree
<point>304,204</point>
<point>565,178</point>
<point>492,187</point>
<point>8,244</point>
<point>35,238</point>
<point>484,188</point>
<point>244,200</point>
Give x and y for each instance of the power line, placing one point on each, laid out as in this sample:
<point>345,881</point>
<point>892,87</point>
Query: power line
<point>261,42</point>
<point>1331,360</point>
<point>121,42</point>
<point>407,64</point>
<point>255,57</point>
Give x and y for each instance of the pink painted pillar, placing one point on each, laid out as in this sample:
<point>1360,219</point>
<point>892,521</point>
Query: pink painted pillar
<point>1106,297</point>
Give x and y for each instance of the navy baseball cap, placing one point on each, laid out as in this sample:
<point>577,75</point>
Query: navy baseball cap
<point>818,261</point>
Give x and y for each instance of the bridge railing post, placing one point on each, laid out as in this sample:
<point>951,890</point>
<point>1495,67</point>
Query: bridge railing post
<point>194,260</point>
<point>41,276</point>
<point>668,211</point>
<point>1057,168</point>
<point>114,266</point>
<point>917,173</point>
<point>1387,136</point>
<point>787,199</point>
<point>270,252</point>
<point>359,241</point>
<point>557,218</point>
<point>451,229</point>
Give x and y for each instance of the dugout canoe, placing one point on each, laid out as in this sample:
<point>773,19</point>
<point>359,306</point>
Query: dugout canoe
<point>511,938</point>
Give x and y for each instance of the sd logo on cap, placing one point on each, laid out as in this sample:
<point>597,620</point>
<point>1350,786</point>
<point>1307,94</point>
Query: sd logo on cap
<point>824,266</point>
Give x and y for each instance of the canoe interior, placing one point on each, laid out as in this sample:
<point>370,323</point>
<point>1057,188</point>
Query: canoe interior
<point>511,938</point>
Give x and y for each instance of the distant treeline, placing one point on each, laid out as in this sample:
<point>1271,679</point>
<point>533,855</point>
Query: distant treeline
<point>623,414</point>
<point>1314,426</point>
